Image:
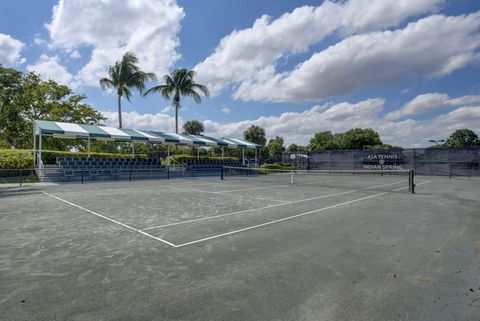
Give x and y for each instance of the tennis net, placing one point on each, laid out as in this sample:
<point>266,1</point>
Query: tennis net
<point>382,180</point>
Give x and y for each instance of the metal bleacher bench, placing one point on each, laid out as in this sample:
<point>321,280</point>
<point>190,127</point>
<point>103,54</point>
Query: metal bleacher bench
<point>73,166</point>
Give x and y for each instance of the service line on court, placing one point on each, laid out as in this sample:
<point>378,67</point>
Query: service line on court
<point>249,210</point>
<point>109,219</point>
<point>280,220</point>
<point>254,209</point>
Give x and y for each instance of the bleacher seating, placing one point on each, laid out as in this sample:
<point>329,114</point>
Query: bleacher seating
<point>72,166</point>
<point>210,165</point>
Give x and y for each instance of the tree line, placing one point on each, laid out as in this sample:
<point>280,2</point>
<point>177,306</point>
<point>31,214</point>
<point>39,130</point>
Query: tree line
<point>356,138</point>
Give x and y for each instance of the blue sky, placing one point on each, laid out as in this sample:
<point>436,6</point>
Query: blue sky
<point>409,69</point>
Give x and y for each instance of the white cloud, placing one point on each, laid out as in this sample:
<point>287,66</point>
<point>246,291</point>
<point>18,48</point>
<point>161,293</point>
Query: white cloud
<point>430,102</point>
<point>38,40</point>
<point>226,110</point>
<point>167,109</point>
<point>299,127</point>
<point>244,53</point>
<point>430,47</point>
<point>10,49</point>
<point>75,54</point>
<point>51,68</point>
<point>147,27</point>
<point>158,121</point>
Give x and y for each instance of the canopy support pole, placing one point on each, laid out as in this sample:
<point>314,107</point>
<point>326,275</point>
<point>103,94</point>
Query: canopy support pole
<point>256,163</point>
<point>40,147</point>
<point>243,156</point>
<point>222,152</point>
<point>168,150</point>
<point>34,146</point>
<point>133,149</point>
<point>198,153</point>
<point>88,146</point>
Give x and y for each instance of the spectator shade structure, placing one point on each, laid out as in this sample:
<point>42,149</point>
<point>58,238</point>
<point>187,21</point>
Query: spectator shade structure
<point>92,132</point>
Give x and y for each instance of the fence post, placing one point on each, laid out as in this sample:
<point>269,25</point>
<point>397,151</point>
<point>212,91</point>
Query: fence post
<point>168,172</point>
<point>449,165</point>
<point>130,174</point>
<point>82,175</point>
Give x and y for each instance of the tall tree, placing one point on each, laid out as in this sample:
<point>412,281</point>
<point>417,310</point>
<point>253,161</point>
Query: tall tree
<point>294,148</point>
<point>179,83</point>
<point>275,147</point>
<point>359,138</point>
<point>25,97</point>
<point>255,134</point>
<point>463,138</point>
<point>124,76</point>
<point>322,141</point>
<point>193,127</point>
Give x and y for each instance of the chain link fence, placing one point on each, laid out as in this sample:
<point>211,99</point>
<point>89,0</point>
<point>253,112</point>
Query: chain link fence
<point>425,161</point>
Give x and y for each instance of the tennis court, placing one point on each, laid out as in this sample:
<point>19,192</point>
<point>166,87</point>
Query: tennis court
<point>313,246</point>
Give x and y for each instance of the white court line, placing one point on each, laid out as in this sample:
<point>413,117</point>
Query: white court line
<point>279,220</point>
<point>109,219</point>
<point>152,187</point>
<point>249,210</point>
<point>252,209</point>
<point>399,189</point>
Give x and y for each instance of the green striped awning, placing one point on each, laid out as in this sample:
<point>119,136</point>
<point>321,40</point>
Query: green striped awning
<point>70,130</point>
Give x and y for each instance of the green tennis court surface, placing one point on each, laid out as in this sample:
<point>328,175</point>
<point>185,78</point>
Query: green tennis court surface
<point>243,248</point>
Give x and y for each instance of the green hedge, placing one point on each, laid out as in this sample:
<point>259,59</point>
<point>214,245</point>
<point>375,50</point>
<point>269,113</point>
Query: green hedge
<point>183,158</point>
<point>23,158</point>
<point>50,156</point>
<point>277,166</point>
<point>16,159</point>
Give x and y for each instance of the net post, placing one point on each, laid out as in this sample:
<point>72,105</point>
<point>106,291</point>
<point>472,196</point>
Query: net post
<point>222,173</point>
<point>411,181</point>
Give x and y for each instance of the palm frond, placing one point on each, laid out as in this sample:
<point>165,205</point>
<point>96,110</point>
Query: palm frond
<point>127,93</point>
<point>106,83</point>
<point>202,88</point>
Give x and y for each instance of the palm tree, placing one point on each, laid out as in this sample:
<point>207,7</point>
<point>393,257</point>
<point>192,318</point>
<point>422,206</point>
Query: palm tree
<point>193,127</point>
<point>125,75</point>
<point>179,83</point>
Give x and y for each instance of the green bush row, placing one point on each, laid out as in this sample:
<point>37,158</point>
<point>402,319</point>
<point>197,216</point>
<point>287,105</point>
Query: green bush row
<point>183,158</point>
<point>50,156</point>
<point>16,159</point>
<point>277,166</point>
<point>23,158</point>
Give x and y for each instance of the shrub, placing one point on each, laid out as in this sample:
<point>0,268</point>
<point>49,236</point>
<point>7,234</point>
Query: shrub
<point>184,158</point>
<point>16,159</point>
<point>23,158</point>
<point>285,166</point>
<point>50,156</point>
